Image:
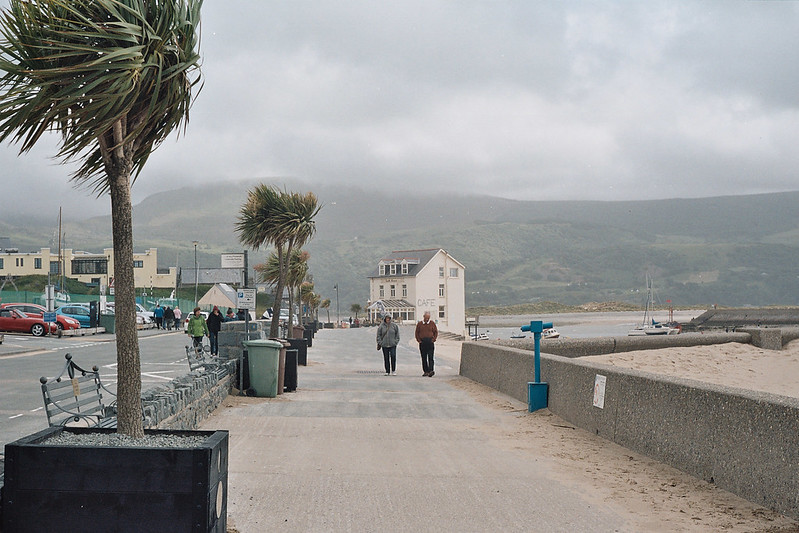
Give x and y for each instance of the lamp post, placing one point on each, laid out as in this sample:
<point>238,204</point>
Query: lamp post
<point>338,318</point>
<point>196,272</point>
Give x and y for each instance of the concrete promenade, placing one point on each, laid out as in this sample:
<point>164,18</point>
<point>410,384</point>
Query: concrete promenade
<point>355,450</point>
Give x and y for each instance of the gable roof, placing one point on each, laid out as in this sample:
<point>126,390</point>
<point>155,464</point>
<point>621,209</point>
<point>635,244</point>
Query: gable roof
<point>416,259</point>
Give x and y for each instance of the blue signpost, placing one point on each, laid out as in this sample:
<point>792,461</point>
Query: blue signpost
<point>536,390</point>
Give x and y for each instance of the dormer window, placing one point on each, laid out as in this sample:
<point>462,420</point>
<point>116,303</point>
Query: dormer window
<point>393,268</point>
<point>404,268</point>
<point>382,269</point>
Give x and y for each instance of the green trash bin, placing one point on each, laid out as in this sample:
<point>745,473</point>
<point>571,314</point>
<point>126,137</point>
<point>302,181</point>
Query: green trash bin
<point>108,321</point>
<point>263,361</point>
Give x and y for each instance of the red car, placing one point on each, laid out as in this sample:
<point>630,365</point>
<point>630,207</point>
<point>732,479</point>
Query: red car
<point>19,322</point>
<point>37,311</point>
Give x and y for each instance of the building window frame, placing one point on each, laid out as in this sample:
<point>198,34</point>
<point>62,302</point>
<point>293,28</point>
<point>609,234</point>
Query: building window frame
<point>37,263</point>
<point>404,268</point>
<point>441,272</point>
<point>441,289</point>
<point>454,272</point>
<point>382,291</point>
<point>404,290</point>
<point>442,311</point>
<point>393,291</point>
<point>138,263</point>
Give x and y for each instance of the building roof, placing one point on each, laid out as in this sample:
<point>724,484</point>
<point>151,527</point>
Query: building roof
<point>391,304</point>
<point>416,260</point>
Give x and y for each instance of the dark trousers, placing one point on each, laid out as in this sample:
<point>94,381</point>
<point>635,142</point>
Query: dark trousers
<point>390,358</point>
<point>213,336</point>
<point>427,347</point>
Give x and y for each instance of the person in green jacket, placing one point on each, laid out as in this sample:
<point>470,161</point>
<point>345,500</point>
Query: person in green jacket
<point>197,328</point>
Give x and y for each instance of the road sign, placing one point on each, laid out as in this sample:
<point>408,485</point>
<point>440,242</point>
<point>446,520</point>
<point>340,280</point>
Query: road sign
<point>49,317</point>
<point>246,299</point>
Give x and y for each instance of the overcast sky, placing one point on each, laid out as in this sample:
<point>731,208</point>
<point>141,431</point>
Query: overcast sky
<point>530,100</point>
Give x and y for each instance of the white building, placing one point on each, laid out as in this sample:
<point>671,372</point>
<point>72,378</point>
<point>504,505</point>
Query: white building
<point>407,283</point>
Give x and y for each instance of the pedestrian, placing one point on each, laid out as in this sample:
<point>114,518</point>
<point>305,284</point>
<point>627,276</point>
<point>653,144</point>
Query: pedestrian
<point>197,327</point>
<point>178,315</point>
<point>158,314</point>
<point>388,338</point>
<point>214,324</point>
<point>230,315</point>
<point>426,335</point>
<point>169,317</point>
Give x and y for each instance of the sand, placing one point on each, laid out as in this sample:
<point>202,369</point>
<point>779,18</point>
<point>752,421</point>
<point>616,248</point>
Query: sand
<point>732,364</point>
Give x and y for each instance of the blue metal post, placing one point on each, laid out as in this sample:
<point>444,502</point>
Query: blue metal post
<point>537,391</point>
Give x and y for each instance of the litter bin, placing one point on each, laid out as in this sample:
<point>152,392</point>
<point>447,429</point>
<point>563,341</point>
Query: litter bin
<point>108,321</point>
<point>302,350</point>
<point>291,370</point>
<point>308,334</point>
<point>281,367</point>
<point>264,360</point>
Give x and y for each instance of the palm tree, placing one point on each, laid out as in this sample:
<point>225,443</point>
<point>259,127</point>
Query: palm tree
<point>282,219</point>
<point>326,305</point>
<point>355,308</point>
<point>269,272</point>
<point>114,78</point>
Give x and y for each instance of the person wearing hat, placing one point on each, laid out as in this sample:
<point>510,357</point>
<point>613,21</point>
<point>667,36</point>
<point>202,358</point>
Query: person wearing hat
<point>197,328</point>
<point>214,324</point>
<point>388,338</point>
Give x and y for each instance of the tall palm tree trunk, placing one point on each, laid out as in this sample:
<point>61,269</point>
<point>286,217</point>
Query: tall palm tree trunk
<point>275,327</point>
<point>118,167</point>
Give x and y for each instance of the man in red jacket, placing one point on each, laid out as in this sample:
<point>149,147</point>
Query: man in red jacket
<point>426,335</point>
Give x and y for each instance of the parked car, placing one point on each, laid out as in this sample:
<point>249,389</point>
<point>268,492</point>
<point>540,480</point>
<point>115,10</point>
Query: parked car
<point>142,316</point>
<point>36,310</point>
<point>18,322</point>
<point>186,319</point>
<point>79,312</point>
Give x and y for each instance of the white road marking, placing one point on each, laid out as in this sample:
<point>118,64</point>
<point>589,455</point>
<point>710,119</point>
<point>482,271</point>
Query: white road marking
<point>15,416</point>
<point>37,409</point>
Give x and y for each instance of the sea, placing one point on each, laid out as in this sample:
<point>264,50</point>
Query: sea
<point>577,325</point>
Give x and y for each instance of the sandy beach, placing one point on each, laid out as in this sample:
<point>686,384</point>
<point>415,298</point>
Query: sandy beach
<point>731,364</point>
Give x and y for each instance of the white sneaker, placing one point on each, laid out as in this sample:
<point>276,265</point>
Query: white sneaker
<point>387,374</point>
<point>393,373</point>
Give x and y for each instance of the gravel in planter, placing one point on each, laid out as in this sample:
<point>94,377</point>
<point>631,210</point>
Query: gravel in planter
<point>116,440</point>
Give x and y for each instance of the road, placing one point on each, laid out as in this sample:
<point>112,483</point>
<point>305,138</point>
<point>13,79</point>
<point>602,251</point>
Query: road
<point>24,359</point>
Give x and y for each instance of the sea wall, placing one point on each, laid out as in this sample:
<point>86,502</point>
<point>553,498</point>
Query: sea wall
<point>744,442</point>
<point>187,400</point>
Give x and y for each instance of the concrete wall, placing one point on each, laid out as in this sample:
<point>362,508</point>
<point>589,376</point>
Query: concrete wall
<point>744,442</point>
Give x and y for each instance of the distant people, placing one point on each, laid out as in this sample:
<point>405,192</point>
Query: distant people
<point>230,315</point>
<point>426,335</point>
<point>197,328</point>
<point>388,338</point>
<point>178,315</point>
<point>158,315</point>
<point>169,317</point>
<point>214,324</point>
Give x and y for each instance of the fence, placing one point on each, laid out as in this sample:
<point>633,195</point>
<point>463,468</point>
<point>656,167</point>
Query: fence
<point>31,297</point>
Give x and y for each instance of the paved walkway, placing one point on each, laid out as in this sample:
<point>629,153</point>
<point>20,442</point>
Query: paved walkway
<point>355,450</point>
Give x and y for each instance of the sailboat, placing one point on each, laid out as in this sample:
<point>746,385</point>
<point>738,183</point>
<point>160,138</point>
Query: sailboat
<point>648,325</point>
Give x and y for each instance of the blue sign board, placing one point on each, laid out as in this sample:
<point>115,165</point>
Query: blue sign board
<point>49,317</point>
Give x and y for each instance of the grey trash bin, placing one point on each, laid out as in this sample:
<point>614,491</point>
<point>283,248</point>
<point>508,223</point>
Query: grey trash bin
<point>264,359</point>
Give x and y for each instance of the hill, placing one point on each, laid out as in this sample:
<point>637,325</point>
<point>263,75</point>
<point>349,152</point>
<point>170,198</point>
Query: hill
<point>731,250</point>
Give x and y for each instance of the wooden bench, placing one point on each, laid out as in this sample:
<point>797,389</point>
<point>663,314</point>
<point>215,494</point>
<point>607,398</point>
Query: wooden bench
<point>75,397</point>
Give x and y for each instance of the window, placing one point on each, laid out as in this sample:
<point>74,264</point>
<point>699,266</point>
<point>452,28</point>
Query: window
<point>90,266</point>
<point>404,268</point>
<point>382,292</point>
<point>441,313</point>
<point>138,263</point>
<point>1,264</point>
<point>404,291</point>
<point>441,289</point>
<point>453,272</point>
<point>54,267</point>
<point>393,291</point>
<point>382,269</point>
<point>440,272</point>
<point>393,268</point>
<point>37,263</point>
<point>20,261</point>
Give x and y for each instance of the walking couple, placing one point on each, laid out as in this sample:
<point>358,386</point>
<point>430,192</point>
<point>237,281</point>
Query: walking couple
<point>388,338</point>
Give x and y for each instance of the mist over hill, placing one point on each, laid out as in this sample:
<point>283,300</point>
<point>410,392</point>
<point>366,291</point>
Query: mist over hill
<point>730,250</point>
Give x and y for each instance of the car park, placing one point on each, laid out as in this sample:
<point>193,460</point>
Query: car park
<point>15,321</point>
<point>142,315</point>
<point>35,310</point>
<point>79,312</point>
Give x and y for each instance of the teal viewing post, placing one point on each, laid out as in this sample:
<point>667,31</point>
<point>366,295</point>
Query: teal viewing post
<point>537,391</point>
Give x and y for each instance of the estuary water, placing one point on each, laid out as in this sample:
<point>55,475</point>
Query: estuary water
<point>611,324</point>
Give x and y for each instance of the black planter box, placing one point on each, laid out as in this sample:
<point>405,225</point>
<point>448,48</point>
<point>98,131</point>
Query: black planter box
<point>92,488</point>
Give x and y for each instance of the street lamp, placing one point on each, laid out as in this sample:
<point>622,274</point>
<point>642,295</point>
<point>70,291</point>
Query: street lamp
<point>338,318</point>
<point>196,272</point>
